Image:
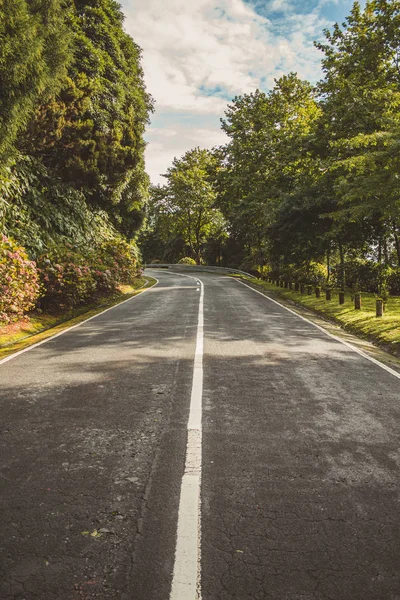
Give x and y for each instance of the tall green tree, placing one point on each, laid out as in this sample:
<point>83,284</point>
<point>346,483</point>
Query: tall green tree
<point>360,100</point>
<point>185,207</point>
<point>267,157</point>
<point>91,132</point>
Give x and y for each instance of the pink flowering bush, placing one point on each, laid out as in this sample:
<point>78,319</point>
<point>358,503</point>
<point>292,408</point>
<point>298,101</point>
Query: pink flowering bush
<point>62,279</point>
<point>121,260</point>
<point>67,281</point>
<point>70,278</point>
<point>19,282</point>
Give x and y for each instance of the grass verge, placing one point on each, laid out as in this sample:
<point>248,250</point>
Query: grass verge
<point>383,331</point>
<point>40,325</point>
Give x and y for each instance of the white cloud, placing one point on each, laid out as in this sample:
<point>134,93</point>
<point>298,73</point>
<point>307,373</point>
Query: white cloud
<point>192,47</point>
<point>173,142</point>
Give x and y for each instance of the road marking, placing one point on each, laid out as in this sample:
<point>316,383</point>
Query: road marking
<point>186,575</point>
<point>338,339</point>
<point>52,337</point>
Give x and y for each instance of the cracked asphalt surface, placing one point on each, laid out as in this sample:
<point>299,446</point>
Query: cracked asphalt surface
<point>301,455</point>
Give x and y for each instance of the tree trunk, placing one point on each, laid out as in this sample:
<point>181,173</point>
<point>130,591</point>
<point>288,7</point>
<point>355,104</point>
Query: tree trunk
<point>189,216</point>
<point>385,251</point>
<point>198,256</point>
<point>342,273</point>
<point>328,264</point>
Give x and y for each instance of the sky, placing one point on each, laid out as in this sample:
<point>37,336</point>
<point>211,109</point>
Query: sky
<point>199,54</point>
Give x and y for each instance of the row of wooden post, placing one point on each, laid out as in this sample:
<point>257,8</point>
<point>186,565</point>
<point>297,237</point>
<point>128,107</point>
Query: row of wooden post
<point>328,294</point>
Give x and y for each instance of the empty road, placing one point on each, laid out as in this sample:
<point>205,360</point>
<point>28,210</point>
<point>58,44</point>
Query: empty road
<point>198,441</point>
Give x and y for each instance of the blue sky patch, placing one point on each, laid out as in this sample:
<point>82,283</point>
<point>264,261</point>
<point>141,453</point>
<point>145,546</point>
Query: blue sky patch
<point>216,91</point>
<point>194,52</point>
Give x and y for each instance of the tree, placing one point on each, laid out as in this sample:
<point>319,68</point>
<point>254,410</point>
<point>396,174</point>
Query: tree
<point>184,207</point>
<point>266,159</point>
<point>91,132</point>
<point>360,100</point>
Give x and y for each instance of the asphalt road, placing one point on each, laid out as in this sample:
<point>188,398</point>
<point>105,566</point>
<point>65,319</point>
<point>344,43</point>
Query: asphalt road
<point>300,460</point>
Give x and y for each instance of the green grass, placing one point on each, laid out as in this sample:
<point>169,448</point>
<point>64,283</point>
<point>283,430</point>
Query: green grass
<point>40,325</point>
<point>383,330</point>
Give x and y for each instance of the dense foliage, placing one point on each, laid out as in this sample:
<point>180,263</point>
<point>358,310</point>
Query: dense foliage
<point>44,213</point>
<point>35,51</point>
<point>73,110</point>
<point>91,132</point>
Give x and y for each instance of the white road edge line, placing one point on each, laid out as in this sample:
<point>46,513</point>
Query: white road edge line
<point>186,575</point>
<point>52,337</point>
<point>338,339</point>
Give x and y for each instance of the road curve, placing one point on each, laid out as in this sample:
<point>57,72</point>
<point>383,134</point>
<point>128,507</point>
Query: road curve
<point>300,463</point>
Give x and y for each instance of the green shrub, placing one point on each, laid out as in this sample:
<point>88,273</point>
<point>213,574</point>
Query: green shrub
<point>186,260</point>
<point>19,283</point>
<point>311,273</point>
<point>315,273</point>
<point>120,258</point>
<point>369,276</point>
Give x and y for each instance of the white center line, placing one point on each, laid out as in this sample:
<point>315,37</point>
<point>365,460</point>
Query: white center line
<point>186,576</point>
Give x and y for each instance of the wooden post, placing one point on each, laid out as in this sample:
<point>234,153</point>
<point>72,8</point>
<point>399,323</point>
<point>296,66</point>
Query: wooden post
<point>341,297</point>
<point>379,307</point>
<point>357,301</point>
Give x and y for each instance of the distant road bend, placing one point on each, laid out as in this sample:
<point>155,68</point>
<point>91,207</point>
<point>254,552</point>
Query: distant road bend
<point>198,441</point>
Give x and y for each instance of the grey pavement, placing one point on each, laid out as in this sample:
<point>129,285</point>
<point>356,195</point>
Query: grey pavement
<point>92,438</point>
<point>301,455</point>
